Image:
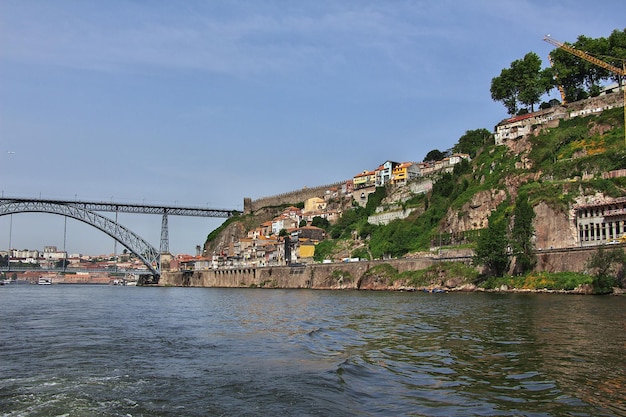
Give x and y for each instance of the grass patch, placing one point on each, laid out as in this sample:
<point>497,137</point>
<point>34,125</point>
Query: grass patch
<point>540,280</point>
<point>342,276</point>
<point>439,273</point>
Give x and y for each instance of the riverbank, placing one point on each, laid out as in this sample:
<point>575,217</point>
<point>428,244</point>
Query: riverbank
<point>428,274</point>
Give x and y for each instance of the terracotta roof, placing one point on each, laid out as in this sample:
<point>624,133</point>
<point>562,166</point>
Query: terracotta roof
<point>311,228</point>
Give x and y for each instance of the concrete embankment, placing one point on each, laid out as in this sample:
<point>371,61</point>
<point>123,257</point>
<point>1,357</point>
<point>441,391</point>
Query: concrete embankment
<point>349,275</point>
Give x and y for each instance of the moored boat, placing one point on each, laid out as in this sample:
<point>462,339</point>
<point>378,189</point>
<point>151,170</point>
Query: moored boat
<point>44,281</point>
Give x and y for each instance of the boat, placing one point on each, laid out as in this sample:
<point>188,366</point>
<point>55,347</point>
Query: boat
<point>44,281</point>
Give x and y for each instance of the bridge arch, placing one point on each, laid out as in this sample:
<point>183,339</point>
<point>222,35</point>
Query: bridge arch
<point>133,242</point>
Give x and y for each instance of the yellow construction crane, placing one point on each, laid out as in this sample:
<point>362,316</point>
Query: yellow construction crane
<point>596,61</point>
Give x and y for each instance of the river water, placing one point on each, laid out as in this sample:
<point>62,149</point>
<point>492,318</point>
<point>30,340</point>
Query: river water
<point>127,351</point>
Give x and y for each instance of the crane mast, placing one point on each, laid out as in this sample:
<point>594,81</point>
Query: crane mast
<point>581,54</point>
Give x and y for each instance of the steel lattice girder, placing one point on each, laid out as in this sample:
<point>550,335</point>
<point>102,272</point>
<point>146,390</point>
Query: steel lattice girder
<point>133,242</point>
<point>134,208</point>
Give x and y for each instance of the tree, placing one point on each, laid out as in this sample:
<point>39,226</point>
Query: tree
<point>606,266</point>
<point>504,89</point>
<point>617,52</point>
<point>434,155</point>
<point>523,83</point>
<point>531,79</point>
<point>579,77</point>
<point>471,142</point>
<point>522,235</point>
<point>492,246</point>
<point>444,186</point>
<point>320,222</point>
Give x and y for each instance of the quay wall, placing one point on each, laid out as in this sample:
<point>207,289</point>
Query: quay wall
<point>348,275</point>
<point>339,275</point>
<point>564,259</point>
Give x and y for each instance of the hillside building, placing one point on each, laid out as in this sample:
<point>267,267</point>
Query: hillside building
<point>364,179</point>
<point>404,172</point>
<point>601,223</point>
<point>384,173</point>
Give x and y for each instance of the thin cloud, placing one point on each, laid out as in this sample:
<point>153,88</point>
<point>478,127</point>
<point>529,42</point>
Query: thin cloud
<point>255,42</point>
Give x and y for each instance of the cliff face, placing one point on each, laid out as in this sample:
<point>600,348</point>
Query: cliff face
<point>231,234</point>
<point>553,229</point>
<point>475,213</point>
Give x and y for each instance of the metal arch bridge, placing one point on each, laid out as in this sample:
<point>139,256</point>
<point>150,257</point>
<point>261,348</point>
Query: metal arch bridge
<point>85,211</point>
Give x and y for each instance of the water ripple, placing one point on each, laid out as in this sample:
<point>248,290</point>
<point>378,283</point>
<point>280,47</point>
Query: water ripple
<point>76,351</point>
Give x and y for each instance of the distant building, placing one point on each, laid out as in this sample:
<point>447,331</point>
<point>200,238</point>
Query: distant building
<point>364,179</point>
<point>306,250</point>
<point>24,254</point>
<point>314,205</point>
<point>404,172</point>
<point>51,253</point>
<point>384,173</point>
<point>311,233</point>
<point>601,223</point>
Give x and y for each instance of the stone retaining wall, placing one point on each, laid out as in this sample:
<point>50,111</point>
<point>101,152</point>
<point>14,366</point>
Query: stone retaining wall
<point>344,275</point>
<point>348,275</point>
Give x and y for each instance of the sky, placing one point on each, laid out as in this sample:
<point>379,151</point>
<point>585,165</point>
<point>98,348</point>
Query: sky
<point>202,103</point>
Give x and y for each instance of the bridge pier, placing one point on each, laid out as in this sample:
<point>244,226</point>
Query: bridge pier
<point>165,236</point>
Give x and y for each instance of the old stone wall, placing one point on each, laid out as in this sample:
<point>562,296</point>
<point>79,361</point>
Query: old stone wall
<point>508,130</point>
<point>347,275</point>
<point>292,197</point>
<point>563,260</point>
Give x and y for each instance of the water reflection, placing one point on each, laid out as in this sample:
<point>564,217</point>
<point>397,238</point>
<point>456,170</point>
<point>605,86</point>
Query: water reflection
<point>195,352</point>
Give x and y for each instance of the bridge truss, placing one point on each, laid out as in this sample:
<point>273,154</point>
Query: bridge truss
<point>85,211</point>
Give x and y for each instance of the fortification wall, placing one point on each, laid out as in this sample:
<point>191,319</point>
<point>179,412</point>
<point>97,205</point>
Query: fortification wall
<point>291,197</point>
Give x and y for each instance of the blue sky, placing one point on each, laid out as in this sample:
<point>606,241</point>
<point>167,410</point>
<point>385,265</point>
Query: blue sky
<point>203,103</point>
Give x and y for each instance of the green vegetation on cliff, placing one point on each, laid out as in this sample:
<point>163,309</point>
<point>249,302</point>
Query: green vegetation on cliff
<point>559,158</point>
<point>561,164</point>
<point>552,166</point>
<point>566,281</point>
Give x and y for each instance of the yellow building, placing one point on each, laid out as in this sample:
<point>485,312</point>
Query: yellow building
<point>307,249</point>
<point>314,204</point>
<point>404,172</point>
<point>364,179</point>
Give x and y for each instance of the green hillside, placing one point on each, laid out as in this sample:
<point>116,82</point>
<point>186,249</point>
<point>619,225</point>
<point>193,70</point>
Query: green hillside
<point>555,167</point>
<point>488,204</point>
<point>560,164</point>
<point>559,159</point>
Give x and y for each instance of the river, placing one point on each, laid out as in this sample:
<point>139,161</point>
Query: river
<point>71,350</point>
